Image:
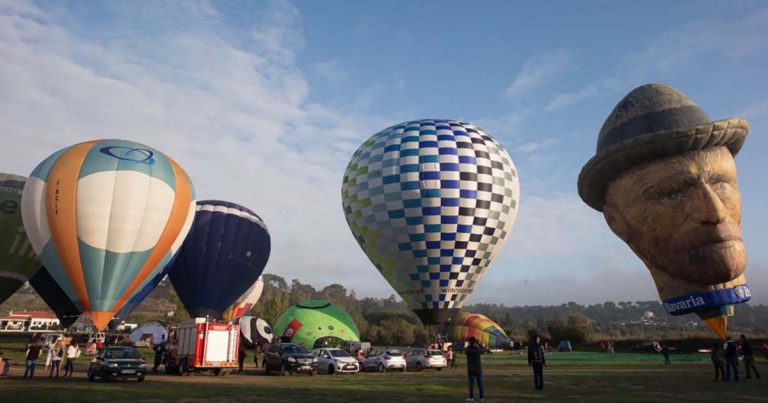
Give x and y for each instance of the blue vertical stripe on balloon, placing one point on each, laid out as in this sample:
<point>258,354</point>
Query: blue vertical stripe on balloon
<point>464,159</point>
<point>448,151</point>
<point>468,194</point>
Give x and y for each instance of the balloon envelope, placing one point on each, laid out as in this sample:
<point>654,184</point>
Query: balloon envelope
<point>255,330</point>
<point>431,202</point>
<point>487,332</point>
<point>225,252</point>
<point>104,217</point>
<point>246,301</point>
<point>56,299</point>
<point>315,324</point>
<point>18,261</point>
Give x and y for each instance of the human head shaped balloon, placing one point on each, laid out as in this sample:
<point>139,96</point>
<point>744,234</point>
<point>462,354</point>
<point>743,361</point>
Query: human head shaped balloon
<point>665,179</point>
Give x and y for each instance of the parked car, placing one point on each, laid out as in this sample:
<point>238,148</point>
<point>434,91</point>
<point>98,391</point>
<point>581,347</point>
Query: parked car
<point>384,359</point>
<point>289,358</point>
<point>421,358</point>
<point>118,362</point>
<point>565,346</point>
<point>647,347</point>
<point>333,360</point>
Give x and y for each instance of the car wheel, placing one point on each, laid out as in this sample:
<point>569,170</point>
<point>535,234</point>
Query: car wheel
<point>91,375</point>
<point>140,379</point>
<point>381,368</point>
<point>264,367</point>
<point>216,372</point>
<point>312,373</point>
<point>331,369</point>
<point>402,370</point>
<point>418,366</point>
<point>282,369</point>
<point>439,369</point>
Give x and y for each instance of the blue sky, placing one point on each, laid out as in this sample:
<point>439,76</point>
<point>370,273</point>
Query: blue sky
<point>263,103</point>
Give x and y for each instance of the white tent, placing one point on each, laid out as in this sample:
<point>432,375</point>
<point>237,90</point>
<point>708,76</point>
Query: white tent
<point>155,331</point>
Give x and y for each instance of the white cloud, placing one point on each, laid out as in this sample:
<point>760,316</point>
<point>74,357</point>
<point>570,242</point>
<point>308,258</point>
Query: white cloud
<point>537,71</point>
<point>236,118</point>
<point>330,71</point>
<point>535,145</point>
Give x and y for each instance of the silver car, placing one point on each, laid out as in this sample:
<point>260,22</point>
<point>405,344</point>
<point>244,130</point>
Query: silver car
<point>421,358</point>
<point>335,360</point>
<point>384,359</point>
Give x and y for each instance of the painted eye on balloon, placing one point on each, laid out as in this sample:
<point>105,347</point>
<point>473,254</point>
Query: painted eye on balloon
<point>263,328</point>
<point>330,327</point>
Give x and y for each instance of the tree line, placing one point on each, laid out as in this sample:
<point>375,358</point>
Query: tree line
<point>388,321</point>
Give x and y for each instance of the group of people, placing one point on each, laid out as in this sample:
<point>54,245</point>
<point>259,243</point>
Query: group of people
<point>56,352</point>
<point>725,359</point>
<point>474,351</point>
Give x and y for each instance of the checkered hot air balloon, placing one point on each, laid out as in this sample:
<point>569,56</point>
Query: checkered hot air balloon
<point>105,217</point>
<point>431,203</point>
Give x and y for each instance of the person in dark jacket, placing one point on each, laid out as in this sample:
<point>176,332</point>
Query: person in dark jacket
<point>474,369</point>
<point>159,349</point>
<point>536,360</point>
<point>731,360</point>
<point>718,360</point>
<point>749,358</point>
<point>31,356</point>
<point>241,356</point>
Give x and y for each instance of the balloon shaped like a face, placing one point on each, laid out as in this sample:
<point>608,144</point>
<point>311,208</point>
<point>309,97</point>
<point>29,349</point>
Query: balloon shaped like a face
<point>254,330</point>
<point>225,252</point>
<point>664,177</point>
<point>104,217</point>
<point>315,324</point>
<point>243,305</point>
<point>431,203</point>
<point>18,261</point>
<point>487,332</point>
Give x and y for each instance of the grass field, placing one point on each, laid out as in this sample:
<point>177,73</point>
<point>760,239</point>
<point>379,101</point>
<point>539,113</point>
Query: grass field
<point>575,377</point>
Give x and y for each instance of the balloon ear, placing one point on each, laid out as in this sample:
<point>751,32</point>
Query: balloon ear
<point>615,219</point>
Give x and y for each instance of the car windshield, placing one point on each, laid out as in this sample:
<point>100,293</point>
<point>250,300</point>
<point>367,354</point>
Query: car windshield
<point>435,352</point>
<point>394,353</point>
<point>339,353</point>
<point>118,353</point>
<point>292,348</point>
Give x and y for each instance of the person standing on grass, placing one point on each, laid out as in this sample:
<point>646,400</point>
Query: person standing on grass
<point>159,350</point>
<point>474,369</point>
<point>718,360</point>
<point>73,351</point>
<point>536,360</point>
<point>58,353</point>
<point>665,351</point>
<point>731,360</point>
<point>449,355</point>
<point>31,356</point>
<point>241,356</point>
<point>749,358</point>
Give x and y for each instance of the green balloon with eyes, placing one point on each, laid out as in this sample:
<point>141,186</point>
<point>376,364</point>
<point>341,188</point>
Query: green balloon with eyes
<point>316,324</point>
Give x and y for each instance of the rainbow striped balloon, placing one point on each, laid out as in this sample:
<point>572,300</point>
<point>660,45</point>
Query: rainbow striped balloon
<point>487,332</point>
<point>104,217</point>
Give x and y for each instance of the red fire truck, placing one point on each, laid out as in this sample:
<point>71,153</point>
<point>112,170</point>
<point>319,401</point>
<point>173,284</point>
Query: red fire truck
<point>200,344</point>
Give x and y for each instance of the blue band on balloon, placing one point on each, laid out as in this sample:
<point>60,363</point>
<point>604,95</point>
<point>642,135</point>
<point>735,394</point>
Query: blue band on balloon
<point>692,302</point>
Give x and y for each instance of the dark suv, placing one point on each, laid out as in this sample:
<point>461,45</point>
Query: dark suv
<point>287,357</point>
<point>118,362</point>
